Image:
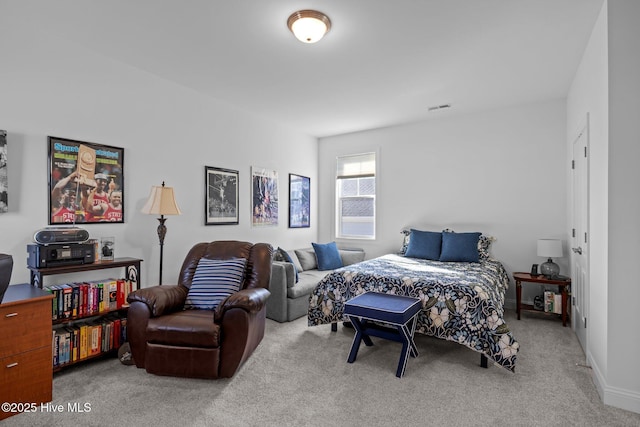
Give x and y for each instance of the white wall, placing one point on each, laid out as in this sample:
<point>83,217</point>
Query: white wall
<point>52,87</point>
<point>499,172</point>
<point>606,85</point>
<point>589,94</point>
<point>623,373</point>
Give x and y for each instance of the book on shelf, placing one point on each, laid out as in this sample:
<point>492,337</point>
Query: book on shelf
<point>552,302</point>
<point>93,346</point>
<point>55,342</point>
<point>549,299</point>
<point>67,305</point>
<point>54,302</point>
<point>86,299</point>
<point>83,341</point>
<point>113,294</point>
<point>121,298</point>
<point>75,299</point>
<point>557,303</point>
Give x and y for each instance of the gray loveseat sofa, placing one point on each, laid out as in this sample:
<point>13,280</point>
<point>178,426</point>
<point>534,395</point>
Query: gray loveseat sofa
<point>289,299</point>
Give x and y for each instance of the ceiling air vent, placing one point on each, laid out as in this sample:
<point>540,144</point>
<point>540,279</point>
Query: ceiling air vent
<point>440,107</point>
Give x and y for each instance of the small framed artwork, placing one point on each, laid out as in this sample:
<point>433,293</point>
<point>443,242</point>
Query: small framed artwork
<point>4,190</point>
<point>299,201</point>
<point>86,182</point>
<point>221,196</point>
<point>264,197</point>
<point>107,248</point>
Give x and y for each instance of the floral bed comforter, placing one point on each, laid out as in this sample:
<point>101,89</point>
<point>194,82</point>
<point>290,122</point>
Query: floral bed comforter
<point>461,301</point>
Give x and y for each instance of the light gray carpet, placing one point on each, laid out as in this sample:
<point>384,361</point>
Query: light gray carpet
<point>299,377</point>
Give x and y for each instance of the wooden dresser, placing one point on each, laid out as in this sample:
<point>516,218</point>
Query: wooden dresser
<point>26,373</point>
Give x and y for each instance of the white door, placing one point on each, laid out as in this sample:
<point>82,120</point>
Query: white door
<point>579,233</point>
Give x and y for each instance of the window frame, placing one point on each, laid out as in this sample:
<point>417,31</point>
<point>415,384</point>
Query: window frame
<point>339,177</point>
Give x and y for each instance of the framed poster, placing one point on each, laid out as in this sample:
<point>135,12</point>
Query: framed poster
<point>299,201</point>
<point>86,182</point>
<point>221,196</point>
<point>4,187</point>
<point>264,196</point>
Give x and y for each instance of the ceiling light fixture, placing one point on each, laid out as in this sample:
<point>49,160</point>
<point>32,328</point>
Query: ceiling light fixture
<point>309,26</point>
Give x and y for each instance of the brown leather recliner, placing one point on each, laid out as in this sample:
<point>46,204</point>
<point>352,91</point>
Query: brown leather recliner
<point>165,339</point>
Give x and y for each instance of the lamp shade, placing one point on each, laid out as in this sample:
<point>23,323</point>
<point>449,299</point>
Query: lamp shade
<point>161,202</point>
<point>550,248</point>
<point>309,26</point>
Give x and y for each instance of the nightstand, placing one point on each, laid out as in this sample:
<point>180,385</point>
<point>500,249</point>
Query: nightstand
<point>562,284</point>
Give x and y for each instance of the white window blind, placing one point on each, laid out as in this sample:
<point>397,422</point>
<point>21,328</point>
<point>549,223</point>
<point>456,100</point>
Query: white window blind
<point>357,166</point>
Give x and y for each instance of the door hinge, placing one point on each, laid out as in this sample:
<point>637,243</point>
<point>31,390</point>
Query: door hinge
<point>585,151</point>
<point>585,237</point>
<point>585,322</point>
<point>573,164</point>
<point>573,232</point>
<point>573,300</point>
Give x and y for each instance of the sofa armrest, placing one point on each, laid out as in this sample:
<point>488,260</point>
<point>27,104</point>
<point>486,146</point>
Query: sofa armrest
<point>282,278</point>
<point>287,270</point>
<point>251,300</point>
<point>160,299</point>
<point>351,255</point>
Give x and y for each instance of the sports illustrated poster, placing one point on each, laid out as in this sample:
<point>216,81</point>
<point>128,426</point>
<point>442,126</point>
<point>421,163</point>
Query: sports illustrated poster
<point>299,201</point>
<point>4,188</point>
<point>264,197</point>
<point>221,196</point>
<point>86,182</point>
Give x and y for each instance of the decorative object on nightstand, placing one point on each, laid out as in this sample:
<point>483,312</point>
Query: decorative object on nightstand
<point>549,248</point>
<point>161,202</point>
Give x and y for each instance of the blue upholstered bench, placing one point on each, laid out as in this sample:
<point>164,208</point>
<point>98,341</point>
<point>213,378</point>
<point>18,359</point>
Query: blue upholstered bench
<point>395,310</point>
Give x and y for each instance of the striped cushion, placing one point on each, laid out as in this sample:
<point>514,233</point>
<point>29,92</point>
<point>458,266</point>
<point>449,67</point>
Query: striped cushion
<point>213,281</point>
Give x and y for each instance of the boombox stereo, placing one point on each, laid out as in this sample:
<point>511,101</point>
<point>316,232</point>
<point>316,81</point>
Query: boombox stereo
<point>42,256</point>
<point>49,235</point>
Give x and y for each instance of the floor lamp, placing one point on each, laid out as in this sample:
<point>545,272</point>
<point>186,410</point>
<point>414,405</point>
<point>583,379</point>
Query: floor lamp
<point>161,202</point>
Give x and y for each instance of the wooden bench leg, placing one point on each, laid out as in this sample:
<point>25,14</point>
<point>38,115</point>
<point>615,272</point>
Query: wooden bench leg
<point>360,336</point>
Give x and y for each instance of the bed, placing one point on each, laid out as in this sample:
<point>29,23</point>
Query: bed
<point>461,301</point>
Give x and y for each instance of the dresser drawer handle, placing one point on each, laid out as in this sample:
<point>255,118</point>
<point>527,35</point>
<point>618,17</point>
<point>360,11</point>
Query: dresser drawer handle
<point>12,365</point>
<point>11,315</point>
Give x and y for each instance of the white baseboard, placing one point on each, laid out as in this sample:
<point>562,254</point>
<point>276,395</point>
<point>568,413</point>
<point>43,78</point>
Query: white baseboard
<point>613,396</point>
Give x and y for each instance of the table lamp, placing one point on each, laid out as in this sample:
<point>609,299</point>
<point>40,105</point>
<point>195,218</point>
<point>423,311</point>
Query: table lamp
<point>161,202</point>
<point>549,248</point>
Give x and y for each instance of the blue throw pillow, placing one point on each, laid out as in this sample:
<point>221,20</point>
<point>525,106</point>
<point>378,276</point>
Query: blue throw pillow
<point>327,255</point>
<point>424,244</point>
<point>287,258</point>
<point>213,281</point>
<point>460,247</point>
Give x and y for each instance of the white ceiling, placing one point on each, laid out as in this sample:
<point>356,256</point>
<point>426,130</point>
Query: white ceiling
<point>384,62</point>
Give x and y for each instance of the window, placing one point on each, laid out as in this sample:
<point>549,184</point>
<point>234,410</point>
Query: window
<point>356,196</point>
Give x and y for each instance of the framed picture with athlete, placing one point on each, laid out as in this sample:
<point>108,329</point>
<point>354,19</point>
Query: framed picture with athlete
<point>86,182</point>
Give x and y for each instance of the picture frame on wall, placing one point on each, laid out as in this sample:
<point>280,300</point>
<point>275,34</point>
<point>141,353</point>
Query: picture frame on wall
<point>264,197</point>
<point>86,182</point>
<point>299,201</point>
<point>221,196</point>
<point>4,185</point>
